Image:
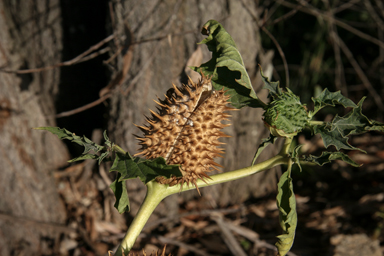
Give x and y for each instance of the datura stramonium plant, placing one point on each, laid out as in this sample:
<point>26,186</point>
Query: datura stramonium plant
<point>285,116</point>
<point>186,130</point>
<point>181,139</point>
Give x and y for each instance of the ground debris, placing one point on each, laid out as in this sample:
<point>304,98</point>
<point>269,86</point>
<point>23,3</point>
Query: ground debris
<point>355,245</point>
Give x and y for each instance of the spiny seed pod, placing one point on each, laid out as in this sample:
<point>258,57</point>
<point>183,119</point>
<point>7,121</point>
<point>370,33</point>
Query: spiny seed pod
<point>186,130</point>
<point>285,116</point>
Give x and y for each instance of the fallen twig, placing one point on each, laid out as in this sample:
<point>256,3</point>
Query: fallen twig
<point>188,247</point>
<point>228,237</point>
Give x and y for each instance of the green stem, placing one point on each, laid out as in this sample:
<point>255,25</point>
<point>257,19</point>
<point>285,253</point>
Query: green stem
<point>287,145</point>
<point>316,122</point>
<point>157,192</point>
<point>232,175</point>
<point>118,149</point>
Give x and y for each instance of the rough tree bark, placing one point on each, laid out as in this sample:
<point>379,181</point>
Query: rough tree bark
<point>156,64</point>
<point>31,213</point>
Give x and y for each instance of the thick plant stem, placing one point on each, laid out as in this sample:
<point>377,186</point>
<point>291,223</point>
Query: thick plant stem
<point>155,194</point>
<point>287,145</point>
<point>233,175</point>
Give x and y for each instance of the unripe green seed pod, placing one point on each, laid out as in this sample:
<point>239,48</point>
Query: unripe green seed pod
<point>285,116</point>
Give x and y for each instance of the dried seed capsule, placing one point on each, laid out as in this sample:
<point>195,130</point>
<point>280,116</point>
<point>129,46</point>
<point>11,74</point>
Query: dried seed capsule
<point>186,130</point>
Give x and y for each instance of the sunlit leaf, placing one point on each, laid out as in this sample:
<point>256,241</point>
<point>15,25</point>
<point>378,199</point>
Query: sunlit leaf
<point>102,157</point>
<point>295,155</point>
<point>327,157</point>
<point>327,98</point>
<point>107,141</point>
<point>263,145</point>
<point>355,122</point>
<point>333,137</point>
<point>120,190</point>
<point>145,170</point>
<point>227,67</point>
<point>273,87</point>
<point>89,146</point>
<point>84,157</point>
<point>375,126</point>
<point>336,133</point>
<point>286,203</point>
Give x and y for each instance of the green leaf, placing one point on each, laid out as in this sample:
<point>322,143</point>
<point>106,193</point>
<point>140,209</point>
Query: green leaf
<point>160,168</point>
<point>107,141</point>
<point>102,157</point>
<point>375,126</point>
<point>88,145</point>
<point>333,137</point>
<point>145,170</point>
<point>120,190</point>
<point>327,157</point>
<point>61,133</point>
<point>84,157</point>
<point>286,203</point>
<point>295,155</point>
<point>263,145</point>
<point>355,122</point>
<point>327,98</point>
<point>273,87</point>
<point>227,67</point>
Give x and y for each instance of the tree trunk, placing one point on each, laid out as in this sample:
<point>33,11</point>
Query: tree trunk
<point>156,64</point>
<point>31,213</point>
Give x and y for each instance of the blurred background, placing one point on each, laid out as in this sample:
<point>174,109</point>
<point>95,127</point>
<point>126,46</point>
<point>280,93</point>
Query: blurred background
<point>91,66</point>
